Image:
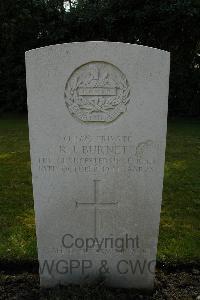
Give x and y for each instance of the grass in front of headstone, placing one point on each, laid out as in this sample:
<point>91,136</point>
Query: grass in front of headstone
<point>179,238</point>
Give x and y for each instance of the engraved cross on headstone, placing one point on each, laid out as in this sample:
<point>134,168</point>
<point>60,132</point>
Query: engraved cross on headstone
<point>96,205</point>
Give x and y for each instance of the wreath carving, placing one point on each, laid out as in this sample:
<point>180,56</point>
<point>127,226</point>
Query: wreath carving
<point>97,92</point>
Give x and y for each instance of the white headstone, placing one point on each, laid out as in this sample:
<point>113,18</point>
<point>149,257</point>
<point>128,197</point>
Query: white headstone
<point>97,122</point>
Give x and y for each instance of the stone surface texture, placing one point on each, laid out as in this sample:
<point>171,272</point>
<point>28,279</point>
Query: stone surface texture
<point>97,125</point>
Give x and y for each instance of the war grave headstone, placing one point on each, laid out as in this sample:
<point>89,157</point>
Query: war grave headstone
<point>97,124</point>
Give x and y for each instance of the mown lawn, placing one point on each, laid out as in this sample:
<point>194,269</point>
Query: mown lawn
<point>179,239</point>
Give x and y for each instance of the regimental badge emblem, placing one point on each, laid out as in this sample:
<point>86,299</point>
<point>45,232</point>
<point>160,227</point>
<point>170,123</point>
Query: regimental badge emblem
<point>97,92</point>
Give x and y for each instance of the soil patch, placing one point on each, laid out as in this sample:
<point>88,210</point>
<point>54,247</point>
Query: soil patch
<point>170,283</point>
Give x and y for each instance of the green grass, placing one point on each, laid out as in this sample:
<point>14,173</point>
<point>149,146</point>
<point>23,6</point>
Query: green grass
<point>179,239</point>
<point>17,234</point>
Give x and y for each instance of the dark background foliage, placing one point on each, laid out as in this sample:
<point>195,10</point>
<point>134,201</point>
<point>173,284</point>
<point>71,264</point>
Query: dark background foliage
<point>172,25</point>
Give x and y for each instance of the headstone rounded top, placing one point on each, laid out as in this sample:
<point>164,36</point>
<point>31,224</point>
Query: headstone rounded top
<point>99,43</point>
